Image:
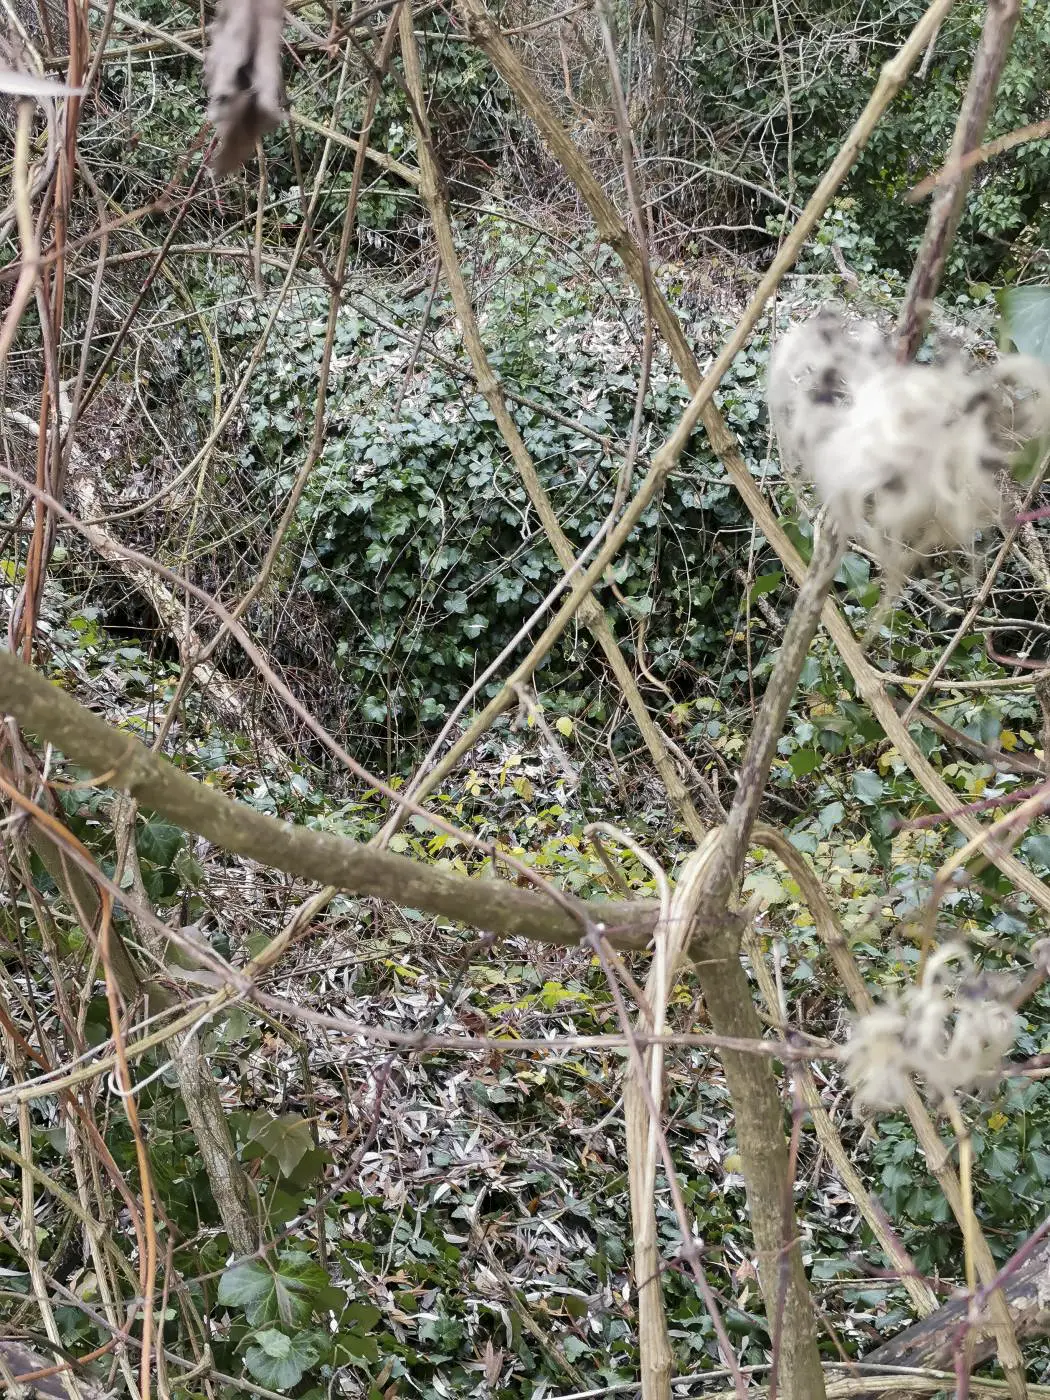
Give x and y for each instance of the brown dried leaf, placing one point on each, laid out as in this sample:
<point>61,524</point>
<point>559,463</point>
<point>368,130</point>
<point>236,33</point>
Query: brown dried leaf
<point>243,70</point>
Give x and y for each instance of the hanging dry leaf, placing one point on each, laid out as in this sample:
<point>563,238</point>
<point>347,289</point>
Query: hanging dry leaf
<point>243,69</point>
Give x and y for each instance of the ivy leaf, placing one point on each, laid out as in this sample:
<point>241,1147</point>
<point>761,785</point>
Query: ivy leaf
<point>159,842</point>
<point>641,605</point>
<point>575,1347</point>
<point>765,583</point>
<point>854,571</point>
<point>766,886</point>
<point>1026,311</point>
<point>1001,1163</point>
<point>354,1346</point>
<point>286,1139</point>
<point>248,1286</point>
<point>1037,848</point>
<point>803,761</point>
<point>360,1317</point>
<point>279,1361</point>
<point>268,1295</point>
<point>354,1342</point>
<point>868,786</point>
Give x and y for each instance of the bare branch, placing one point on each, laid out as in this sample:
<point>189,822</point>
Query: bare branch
<point>53,715</point>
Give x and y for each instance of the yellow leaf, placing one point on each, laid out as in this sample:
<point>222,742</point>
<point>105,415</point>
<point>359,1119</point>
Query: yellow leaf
<point>997,1122</point>
<point>563,724</point>
<point>1008,739</point>
<point>886,759</point>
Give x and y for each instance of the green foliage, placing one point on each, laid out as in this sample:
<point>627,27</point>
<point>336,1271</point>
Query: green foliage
<point>279,1294</point>
<point>830,56</point>
<point>286,1144</point>
<point>416,529</point>
<point>280,1361</point>
<point>1011,1143</point>
<point>278,1300</point>
<point>393,1296</point>
<point>417,537</point>
<point>1026,313</point>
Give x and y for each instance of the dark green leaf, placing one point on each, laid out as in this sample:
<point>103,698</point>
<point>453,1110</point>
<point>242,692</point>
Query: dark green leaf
<point>1037,848</point>
<point>766,583</point>
<point>854,571</point>
<point>804,761</point>
<point>159,842</point>
<point>283,1294</point>
<point>286,1139</point>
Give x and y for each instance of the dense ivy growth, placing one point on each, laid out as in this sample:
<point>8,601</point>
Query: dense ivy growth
<point>416,528</point>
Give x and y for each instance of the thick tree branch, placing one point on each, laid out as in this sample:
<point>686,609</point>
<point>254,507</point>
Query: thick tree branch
<point>123,763</point>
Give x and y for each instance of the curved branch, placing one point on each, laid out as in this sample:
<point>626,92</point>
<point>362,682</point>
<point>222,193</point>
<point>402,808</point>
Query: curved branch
<point>319,856</point>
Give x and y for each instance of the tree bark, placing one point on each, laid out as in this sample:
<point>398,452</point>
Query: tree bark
<point>935,1340</point>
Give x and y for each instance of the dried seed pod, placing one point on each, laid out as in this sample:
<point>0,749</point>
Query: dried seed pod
<point>908,458</point>
<point>243,71</point>
<point>951,1031</point>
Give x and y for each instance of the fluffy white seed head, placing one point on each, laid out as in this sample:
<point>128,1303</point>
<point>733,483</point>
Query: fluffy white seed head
<point>877,1065</point>
<point>950,1032</point>
<point>814,372</point>
<point>908,458</point>
<point>909,467</point>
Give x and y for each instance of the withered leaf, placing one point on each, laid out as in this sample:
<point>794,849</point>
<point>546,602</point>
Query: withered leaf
<point>243,71</point>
